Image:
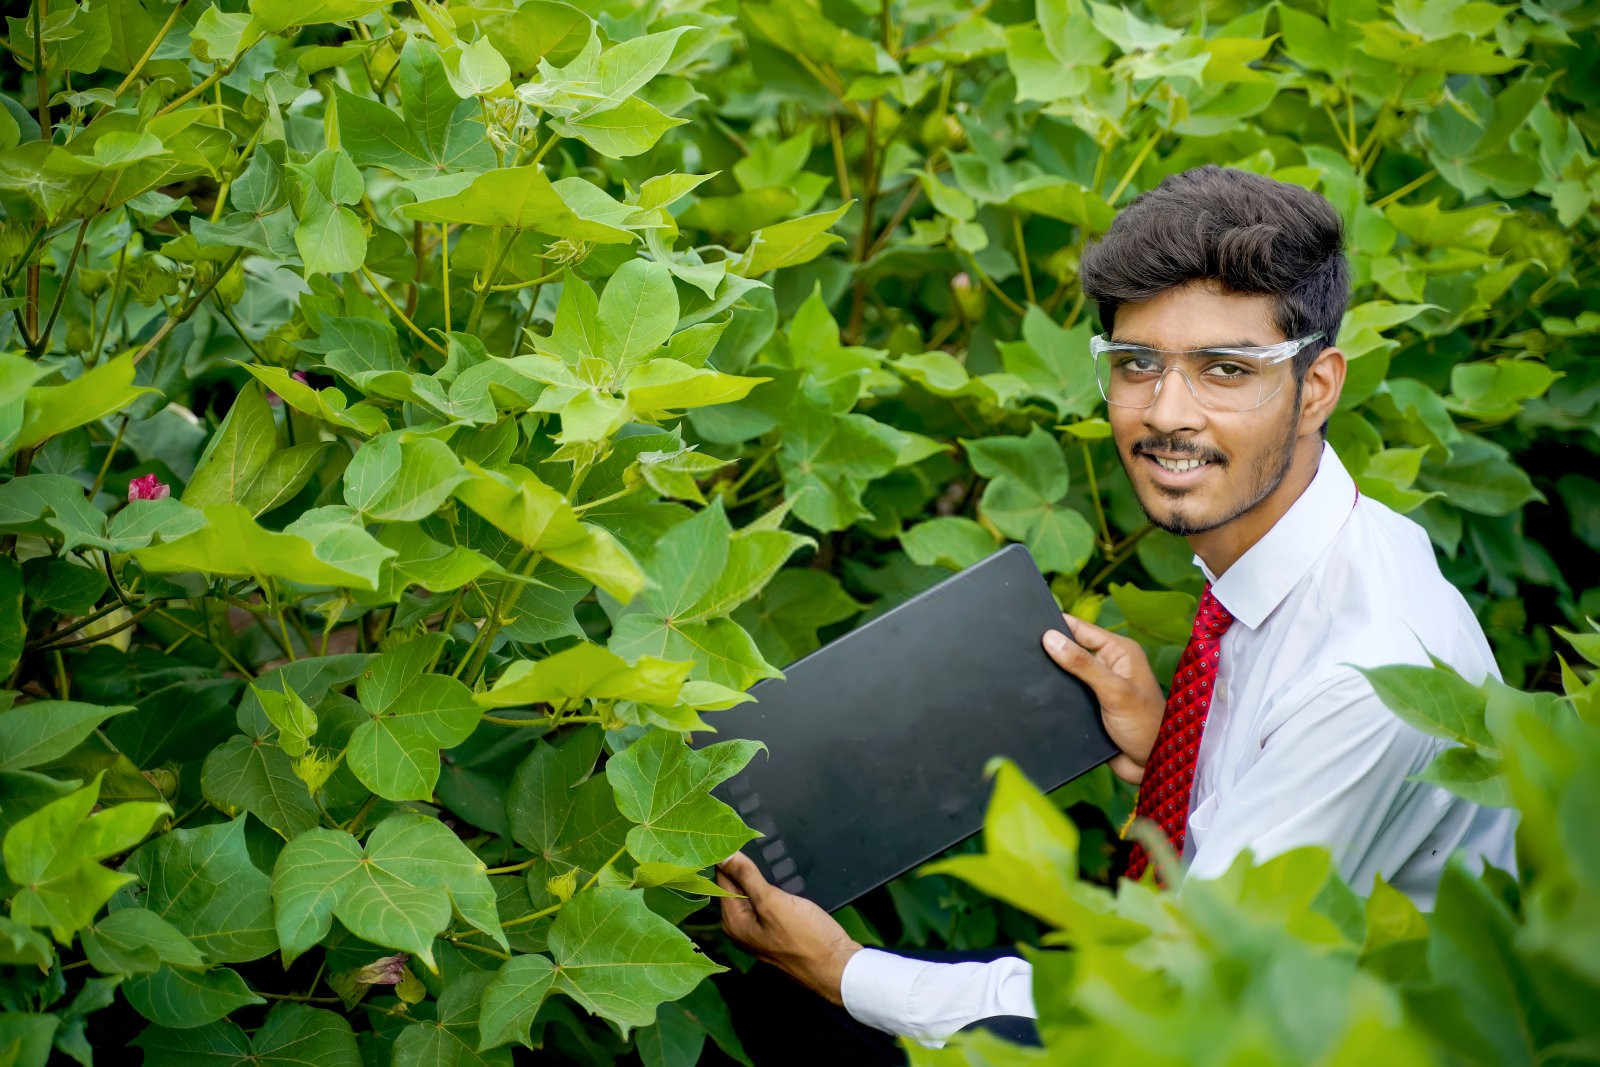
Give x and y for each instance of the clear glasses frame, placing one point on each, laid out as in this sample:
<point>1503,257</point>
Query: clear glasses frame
<point>1264,355</point>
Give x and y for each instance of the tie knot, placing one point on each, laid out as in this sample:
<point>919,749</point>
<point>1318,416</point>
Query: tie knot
<point>1212,620</point>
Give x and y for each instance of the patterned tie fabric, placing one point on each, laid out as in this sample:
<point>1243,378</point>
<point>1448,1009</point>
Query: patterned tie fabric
<point>1169,774</point>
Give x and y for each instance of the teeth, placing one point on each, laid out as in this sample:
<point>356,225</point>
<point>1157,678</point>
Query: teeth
<point>1177,466</point>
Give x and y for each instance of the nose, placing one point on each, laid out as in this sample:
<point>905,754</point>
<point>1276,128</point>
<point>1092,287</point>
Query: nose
<point>1175,406</point>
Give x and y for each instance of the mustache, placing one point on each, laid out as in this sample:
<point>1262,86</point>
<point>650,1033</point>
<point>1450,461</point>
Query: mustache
<point>1177,448</point>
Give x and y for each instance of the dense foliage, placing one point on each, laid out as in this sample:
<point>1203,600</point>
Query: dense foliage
<point>421,416</point>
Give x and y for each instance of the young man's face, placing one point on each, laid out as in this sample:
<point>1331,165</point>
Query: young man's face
<point>1247,453</point>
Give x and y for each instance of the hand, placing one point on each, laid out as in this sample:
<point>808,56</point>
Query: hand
<point>1131,701</point>
<point>790,932</point>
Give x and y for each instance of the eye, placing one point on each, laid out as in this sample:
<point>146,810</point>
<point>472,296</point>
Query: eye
<point>1229,370</point>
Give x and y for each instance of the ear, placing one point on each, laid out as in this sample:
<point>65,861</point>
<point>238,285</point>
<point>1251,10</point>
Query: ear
<point>1319,394</point>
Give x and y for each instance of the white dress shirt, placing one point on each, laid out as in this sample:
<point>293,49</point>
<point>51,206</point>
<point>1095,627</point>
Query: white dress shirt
<point>1297,748</point>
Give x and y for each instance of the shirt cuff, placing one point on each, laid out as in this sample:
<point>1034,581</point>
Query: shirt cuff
<point>930,1001</point>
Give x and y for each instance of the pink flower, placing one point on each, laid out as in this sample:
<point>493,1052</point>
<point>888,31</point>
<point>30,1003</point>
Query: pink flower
<point>148,487</point>
<point>961,282</point>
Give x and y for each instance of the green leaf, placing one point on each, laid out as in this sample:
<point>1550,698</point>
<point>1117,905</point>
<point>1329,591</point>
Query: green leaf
<point>1055,363</point>
<point>275,15</point>
<point>43,730</point>
<point>633,127</point>
<point>520,505</point>
<point>329,404</point>
<point>137,941</point>
<point>951,541</point>
<point>53,409</point>
<point>663,386</point>
<point>1165,616</point>
<point>232,544</point>
<point>293,1035</point>
<point>452,1037</point>
<point>19,944</point>
<point>292,716</point>
<point>1470,773</point>
<point>397,892</point>
<point>585,671</point>
<point>512,998</point>
<point>663,786</point>
<point>203,882</point>
<point>180,999</point>
<point>790,243</point>
<point>249,774</point>
<point>566,818</point>
<point>520,198</point>
<point>1030,859</point>
<point>394,478</point>
<point>13,635</point>
<point>395,753</point>
<point>54,854</point>
<point>330,237</point>
<point>242,447</point>
<point>620,960</point>
<point>1435,700</point>
<point>1480,477</point>
<point>637,313</point>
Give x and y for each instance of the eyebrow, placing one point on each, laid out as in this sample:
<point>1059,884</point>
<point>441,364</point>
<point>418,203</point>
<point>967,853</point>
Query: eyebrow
<point>1246,343</point>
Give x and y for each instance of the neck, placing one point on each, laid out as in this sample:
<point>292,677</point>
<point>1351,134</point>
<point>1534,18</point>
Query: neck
<point>1221,547</point>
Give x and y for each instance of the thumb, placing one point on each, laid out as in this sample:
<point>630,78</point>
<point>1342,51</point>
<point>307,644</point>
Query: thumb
<point>746,877</point>
<point>1086,633</point>
<point>1078,659</point>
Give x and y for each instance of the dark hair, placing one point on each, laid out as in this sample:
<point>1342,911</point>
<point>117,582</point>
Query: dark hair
<point>1253,234</point>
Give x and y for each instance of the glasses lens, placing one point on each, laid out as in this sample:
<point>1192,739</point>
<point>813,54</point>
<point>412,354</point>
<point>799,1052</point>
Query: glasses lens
<point>1221,381</point>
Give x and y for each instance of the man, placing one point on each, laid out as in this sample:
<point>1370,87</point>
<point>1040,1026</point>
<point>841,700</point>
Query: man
<point>1222,293</point>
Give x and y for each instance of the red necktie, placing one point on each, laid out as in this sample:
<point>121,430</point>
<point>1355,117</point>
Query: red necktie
<point>1169,773</point>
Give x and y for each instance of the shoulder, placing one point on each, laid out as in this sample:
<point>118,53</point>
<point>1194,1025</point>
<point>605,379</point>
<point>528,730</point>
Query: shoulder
<point>1376,598</point>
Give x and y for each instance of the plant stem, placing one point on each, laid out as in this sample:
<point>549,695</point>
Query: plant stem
<point>608,498</point>
<point>595,877</point>
<point>1409,187</point>
<point>1133,168</point>
<point>522,920</point>
<point>183,313</point>
<point>1123,551</point>
<point>444,255</point>
<point>99,479</point>
<point>485,949</point>
<point>749,472</point>
<point>413,327</point>
<point>1022,259</point>
<point>989,284</point>
<point>192,632</point>
<point>841,174</point>
<point>42,339</point>
<point>1094,493</point>
<point>901,210</point>
<point>482,293</point>
<point>513,868</point>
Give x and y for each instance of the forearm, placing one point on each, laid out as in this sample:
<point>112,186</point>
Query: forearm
<point>930,1001</point>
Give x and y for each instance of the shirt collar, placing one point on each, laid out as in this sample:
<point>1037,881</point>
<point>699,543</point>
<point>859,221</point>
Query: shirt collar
<point>1260,578</point>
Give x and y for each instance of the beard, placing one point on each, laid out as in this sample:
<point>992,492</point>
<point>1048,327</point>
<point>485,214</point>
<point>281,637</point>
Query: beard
<point>1266,474</point>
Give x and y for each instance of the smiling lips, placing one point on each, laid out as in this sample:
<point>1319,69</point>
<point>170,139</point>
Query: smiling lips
<point>1177,471</point>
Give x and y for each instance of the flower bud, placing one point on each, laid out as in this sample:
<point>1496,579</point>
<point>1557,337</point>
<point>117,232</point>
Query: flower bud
<point>969,297</point>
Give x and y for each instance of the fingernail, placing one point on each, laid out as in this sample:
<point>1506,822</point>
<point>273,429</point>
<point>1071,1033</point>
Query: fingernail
<point>1054,641</point>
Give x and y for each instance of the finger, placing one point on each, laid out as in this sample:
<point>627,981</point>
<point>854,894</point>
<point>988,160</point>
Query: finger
<point>746,876</point>
<point>1123,767</point>
<point>738,914</point>
<point>1081,662</point>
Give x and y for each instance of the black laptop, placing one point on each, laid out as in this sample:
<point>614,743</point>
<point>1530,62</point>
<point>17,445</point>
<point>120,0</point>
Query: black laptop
<point>877,741</point>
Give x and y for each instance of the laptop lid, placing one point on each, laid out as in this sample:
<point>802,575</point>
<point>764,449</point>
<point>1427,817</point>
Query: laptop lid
<point>877,741</point>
